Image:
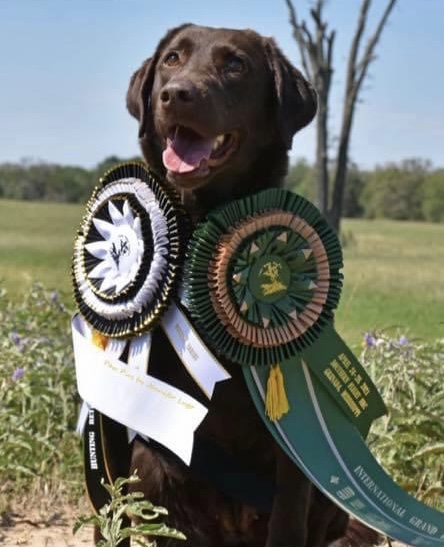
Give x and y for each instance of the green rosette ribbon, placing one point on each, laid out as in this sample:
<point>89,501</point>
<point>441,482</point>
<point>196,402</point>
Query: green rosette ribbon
<point>262,281</point>
<point>128,252</point>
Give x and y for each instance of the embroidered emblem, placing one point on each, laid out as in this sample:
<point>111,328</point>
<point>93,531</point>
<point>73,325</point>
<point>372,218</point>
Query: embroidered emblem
<point>271,270</point>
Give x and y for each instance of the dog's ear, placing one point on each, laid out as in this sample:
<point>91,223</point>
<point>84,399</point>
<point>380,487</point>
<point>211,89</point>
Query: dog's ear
<point>138,97</point>
<point>296,97</point>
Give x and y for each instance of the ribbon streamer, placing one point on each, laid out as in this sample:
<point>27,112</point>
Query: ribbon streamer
<point>137,360</point>
<point>201,364</point>
<point>133,398</point>
<point>331,452</point>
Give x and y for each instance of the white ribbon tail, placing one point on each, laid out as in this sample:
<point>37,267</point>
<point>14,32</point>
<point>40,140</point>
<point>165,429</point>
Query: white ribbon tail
<point>139,352</point>
<point>133,398</point>
<point>115,348</point>
<point>138,358</point>
<point>201,364</point>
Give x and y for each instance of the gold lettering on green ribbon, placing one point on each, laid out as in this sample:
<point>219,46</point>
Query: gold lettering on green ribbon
<point>351,403</point>
<point>271,271</point>
<point>335,382</point>
<point>340,371</point>
<point>348,383</point>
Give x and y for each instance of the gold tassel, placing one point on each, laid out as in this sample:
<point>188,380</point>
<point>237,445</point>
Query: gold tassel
<point>99,339</point>
<point>276,402</point>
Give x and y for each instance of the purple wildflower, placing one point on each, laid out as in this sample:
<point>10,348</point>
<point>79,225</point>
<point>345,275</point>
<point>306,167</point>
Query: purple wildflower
<point>18,373</point>
<point>403,341</point>
<point>369,340</point>
<point>54,297</point>
<point>15,338</point>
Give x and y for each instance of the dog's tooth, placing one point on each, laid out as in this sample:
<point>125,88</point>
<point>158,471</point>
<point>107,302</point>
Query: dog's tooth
<point>218,141</point>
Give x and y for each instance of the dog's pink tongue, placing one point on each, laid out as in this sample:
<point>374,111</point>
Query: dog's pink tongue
<point>185,151</point>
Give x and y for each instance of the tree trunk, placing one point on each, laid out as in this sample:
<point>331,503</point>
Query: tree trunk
<point>322,176</point>
<point>335,212</point>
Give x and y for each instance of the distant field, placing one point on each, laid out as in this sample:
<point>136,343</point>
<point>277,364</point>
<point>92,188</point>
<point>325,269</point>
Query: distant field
<point>394,276</point>
<point>393,270</point>
<point>36,244</point>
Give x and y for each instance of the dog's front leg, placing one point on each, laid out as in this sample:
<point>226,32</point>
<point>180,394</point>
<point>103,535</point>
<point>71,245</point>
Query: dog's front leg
<point>289,516</point>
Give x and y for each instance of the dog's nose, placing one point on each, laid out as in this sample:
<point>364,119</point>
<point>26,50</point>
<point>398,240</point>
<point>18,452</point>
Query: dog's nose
<point>177,93</point>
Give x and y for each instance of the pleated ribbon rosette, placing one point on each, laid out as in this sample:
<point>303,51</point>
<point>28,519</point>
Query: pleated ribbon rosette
<point>128,252</point>
<point>262,281</point>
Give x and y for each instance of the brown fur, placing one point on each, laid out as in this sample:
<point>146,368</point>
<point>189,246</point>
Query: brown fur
<point>265,100</point>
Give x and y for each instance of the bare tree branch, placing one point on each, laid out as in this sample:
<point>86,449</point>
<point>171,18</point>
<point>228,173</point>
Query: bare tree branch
<point>356,73</point>
<point>302,44</point>
<point>316,14</point>
<point>310,45</point>
<point>330,42</point>
<point>371,44</point>
<point>354,49</point>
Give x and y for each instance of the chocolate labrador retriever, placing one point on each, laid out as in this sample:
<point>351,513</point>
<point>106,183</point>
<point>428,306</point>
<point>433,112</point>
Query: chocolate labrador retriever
<point>217,111</point>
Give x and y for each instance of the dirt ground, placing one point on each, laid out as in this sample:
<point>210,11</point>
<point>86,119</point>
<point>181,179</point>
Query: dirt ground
<point>34,529</point>
<point>43,530</point>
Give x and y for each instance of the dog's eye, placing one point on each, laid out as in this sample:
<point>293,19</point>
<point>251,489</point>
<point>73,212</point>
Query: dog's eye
<point>171,59</point>
<point>234,65</point>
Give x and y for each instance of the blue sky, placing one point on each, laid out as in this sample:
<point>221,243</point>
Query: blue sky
<point>65,67</point>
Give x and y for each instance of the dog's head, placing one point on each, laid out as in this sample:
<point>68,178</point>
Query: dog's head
<point>213,103</point>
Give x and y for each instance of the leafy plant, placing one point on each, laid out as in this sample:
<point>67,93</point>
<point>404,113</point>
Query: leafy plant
<point>409,440</point>
<point>110,519</point>
<point>38,396</point>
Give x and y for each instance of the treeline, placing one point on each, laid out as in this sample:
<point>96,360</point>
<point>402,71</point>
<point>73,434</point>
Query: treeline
<point>39,181</point>
<point>410,190</point>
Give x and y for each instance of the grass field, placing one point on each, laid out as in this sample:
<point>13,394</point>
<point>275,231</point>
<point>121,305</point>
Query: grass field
<point>394,276</point>
<point>393,270</point>
<point>36,244</point>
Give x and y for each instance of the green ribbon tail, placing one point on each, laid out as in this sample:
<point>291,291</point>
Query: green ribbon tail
<point>327,446</point>
<point>345,379</point>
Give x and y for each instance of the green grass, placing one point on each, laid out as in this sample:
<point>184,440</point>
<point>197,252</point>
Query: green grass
<point>393,277</point>
<point>393,270</point>
<point>36,244</point>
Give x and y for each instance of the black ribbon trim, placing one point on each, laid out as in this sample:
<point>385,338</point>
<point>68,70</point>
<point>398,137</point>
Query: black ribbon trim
<point>107,455</point>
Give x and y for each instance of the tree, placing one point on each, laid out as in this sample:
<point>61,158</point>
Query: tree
<point>316,51</point>
<point>352,204</point>
<point>433,197</point>
<point>300,179</point>
<point>395,191</point>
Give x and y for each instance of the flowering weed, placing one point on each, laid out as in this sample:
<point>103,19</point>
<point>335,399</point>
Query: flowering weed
<point>409,441</point>
<point>38,399</point>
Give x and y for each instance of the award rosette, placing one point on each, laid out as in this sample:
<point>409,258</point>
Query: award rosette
<point>262,280</point>
<point>128,252</point>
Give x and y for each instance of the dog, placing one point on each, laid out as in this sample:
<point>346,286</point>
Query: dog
<point>217,111</point>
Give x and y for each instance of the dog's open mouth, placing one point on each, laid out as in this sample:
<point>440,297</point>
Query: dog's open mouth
<point>189,153</point>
